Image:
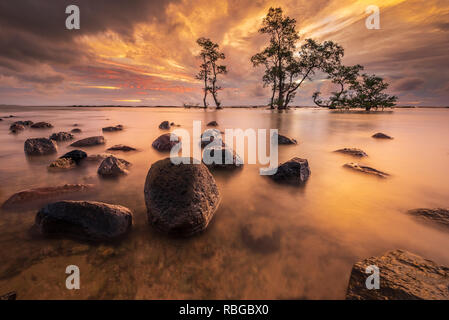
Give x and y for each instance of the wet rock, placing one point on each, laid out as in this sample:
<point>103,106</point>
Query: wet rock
<point>121,147</point>
<point>381,135</point>
<point>283,139</point>
<point>113,167</point>
<point>16,128</point>
<point>403,276</point>
<point>163,143</point>
<point>75,155</point>
<point>118,127</point>
<point>88,142</point>
<point>10,295</point>
<point>98,157</point>
<point>44,194</point>
<point>219,157</point>
<point>211,135</point>
<point>40,146</point>
<point>63,163</point>
<point>41,125</point>
<point>76,130</point>
<point>294,171</point>
<point>61,136</point>
<point>26,123</point>
<point>165,125</point>
<point>439,215</point>
<point>86,220</point>
<point>366,169</point>
<point>181,199</point>
<point>261,236</point>
<point>212,124</point>
<point>353,152</point>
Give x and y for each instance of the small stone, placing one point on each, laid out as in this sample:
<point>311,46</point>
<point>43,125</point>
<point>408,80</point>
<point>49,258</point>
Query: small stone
<point>212,124</point>
<point>294,171</point>
<point>76,130</point>
<point>91,141</point>
<point>283,139</point>
<point>366,169</point>
<point>353,152</point>
<point>113,167</point>
<point>118,127</point>
<point>63,163</point>
<point>381,135</point>
<point>40,146</point>
<point>163,142</point>
<point>439,215</point>
<point>165,125</point>
<point>61,136</point>
<point>41,125</point>
<point>121,147</point>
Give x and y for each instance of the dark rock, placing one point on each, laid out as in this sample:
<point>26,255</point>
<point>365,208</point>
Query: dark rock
<point>219,157</point>
<point>353,152</point>
<point>403,276</point>
<point>118,127</point>
<point>212,124</point>
<point>76,130</point>
<point>40,146</point>
<point>16,128</point>
<point>75,155</point>
<point>10,295</point>
<point>210,135</point>
<point>61,136</point>
<point>181,199</point>
<point>26,123</point>
<point>86,220</point>
<point>44,194</point>
<point>439,215</point>
<point>261,236</point>
<point>283,139</point>
<point>381,135</point>
<point>41,125</point>
<point>165,125</point>
<point>113,167</point>
<point>294,171</point>
<point>366,169</point>
<point>163,143</point>
<point>87,142</point>
<point>121,147</point>
<point>62,163</point>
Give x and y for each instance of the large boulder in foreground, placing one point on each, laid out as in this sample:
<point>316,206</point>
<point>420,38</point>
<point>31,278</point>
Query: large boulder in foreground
<point>163,142</point>
<point>283,139</point>
<point>40,146</point>
<point>352,152</point>
<point>181,199</point>
<point>403,276</point>
<point>85,220</point>
<point>61,136</point>
<point>88,142</point>
<point>439,215</point>
<point>381,135</point>
<point>42,195</point>
<point>295,171</point>
<point>113,167</point>
<point>366,169</point>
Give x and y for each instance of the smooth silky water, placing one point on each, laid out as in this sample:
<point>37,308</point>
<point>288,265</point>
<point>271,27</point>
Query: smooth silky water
<point>337,218</point>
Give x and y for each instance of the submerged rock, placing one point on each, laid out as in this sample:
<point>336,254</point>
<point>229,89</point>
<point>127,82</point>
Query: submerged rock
<point>76,130</point>
<point>45,193</point>
<point>181,199</point>
<point>165,125</point>
<point>98,157</point>
<point>40,146</point>
<point>261,236</point>
<point>16,128</point>
<point>121,147</point>
<point>41,125</point>
<point>10,295</point>
<point>212,124</point>
<point>353,152</point>
<point>403,276</point>
<point>294,171</point>
<point>113,167</point>
<point>61,136</point>
<point>62,163</point>
<point>366,169</point>
<point>75,155</point>
<point>86,220</point>
<point>381,135</point>
<point>87,142</point>
<point>163,142</point>
<point>439,215</point>
<point>118,127</point>
<point>219,157</point>
<point>283,139</point>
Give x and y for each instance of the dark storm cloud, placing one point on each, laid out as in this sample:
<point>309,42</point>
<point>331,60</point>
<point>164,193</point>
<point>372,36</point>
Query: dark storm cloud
<point>408,84</point>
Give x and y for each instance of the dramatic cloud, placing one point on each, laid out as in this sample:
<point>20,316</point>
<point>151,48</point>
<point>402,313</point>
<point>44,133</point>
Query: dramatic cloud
<point>143,52</point>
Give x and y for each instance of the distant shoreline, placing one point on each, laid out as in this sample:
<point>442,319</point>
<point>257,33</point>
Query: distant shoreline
<point>209,108</point>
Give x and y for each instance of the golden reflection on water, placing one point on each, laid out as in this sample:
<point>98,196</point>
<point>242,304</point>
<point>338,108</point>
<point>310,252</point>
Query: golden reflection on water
<point>337,218</point>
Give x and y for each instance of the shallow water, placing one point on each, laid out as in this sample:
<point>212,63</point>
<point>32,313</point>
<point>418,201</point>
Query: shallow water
<point>337,218</point>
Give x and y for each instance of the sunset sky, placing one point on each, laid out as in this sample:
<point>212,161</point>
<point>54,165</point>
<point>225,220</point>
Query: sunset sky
<point>142,52</point>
